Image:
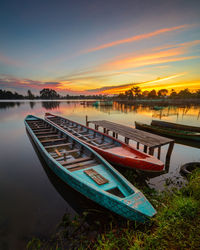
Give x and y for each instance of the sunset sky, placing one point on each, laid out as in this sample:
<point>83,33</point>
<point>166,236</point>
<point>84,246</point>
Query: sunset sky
<point>91,47</point>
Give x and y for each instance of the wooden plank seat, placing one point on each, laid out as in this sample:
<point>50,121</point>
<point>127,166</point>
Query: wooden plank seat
<point>96,177</point>
<point>54,140</point>
<point>105,144</point>
<point>58,158</point>
<point>94,139</point>
<point>79,136</point>
<point>78,160</point>
<point>35,122</point>
<point>43,128</point>
<point>49,131</point>
<point>38,127</point>
<point>84,165</point>
<point>58,145</point>
<point>70,127</point>
<point>46,136</point>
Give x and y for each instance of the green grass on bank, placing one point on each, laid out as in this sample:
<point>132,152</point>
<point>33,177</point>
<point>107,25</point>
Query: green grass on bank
<point>176,225</point>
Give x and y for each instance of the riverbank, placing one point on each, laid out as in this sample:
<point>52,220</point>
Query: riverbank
<point>176,225</point>
<point>163,101</point>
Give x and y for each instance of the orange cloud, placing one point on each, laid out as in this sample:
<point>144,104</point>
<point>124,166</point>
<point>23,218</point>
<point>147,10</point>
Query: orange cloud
<point>170,55</point>
<point>143,85</point>
<point>138,37</point>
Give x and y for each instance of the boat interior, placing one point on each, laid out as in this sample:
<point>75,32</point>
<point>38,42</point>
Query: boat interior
<point>84,133</point>
<point>77,158</point>
<point>95,138</point>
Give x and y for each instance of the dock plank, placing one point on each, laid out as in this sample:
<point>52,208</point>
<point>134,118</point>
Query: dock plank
<point>137,135</point>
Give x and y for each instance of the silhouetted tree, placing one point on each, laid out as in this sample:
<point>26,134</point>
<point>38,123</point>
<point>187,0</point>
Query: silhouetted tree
<point>162,92</point>
<point>173,94</point>
<point>49,94</point>
<point>129,94</point>
<point>145,93</point>
<point>185,93</point>
<point>137,91</point>
<point>152,94</point>
<point>30,95</point>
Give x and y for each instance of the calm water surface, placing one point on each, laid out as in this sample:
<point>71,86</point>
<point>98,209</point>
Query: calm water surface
<point>32,199</point>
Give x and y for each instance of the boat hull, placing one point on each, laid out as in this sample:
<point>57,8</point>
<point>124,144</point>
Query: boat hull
<point>142,161</point>
<point>179,134</point>
<point>120,207</point>
<point>177,126</point>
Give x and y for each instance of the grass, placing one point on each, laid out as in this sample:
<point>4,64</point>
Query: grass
<point>176,225</point>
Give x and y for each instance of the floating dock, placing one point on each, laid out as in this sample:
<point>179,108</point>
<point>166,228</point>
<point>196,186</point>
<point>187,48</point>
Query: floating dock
<point>148,140</point>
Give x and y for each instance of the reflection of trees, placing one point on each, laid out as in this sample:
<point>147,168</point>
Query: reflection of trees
<point>50,105</point>
<point>178,111</point>
<point>32,104</point>
<point>4,105</point>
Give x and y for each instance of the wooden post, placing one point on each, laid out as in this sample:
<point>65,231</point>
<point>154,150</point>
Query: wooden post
<point>126,140</point>
<point>145,148</point>
<point>116,135</point>
<point>169,152</point>
<point>86,120</point>
<point>138,145</point>
<point>113,134</point>
<point>151,151</point>
<point>159,150</point>
<point>104,130</point>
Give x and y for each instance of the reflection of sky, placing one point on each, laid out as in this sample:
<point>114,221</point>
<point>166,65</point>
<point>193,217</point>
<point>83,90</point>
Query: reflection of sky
<point>83,45</point>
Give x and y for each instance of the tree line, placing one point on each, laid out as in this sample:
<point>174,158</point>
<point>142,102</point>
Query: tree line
<point>46,93</point>
<point>131,94</point>
<point>137,93</point>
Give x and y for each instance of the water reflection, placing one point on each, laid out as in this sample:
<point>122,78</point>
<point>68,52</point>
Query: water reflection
<point>49,105</point>
<point>32,104</point>
<point>179,112</point>
<point>5,105</point>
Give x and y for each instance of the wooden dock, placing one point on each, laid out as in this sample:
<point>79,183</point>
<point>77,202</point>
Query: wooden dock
<point>148,140</point>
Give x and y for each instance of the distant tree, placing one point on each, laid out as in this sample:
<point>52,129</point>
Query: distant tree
<point>145,93</point>
<point>162,92</point>
<point>152,94</point>
<point>49,94</point>
<point>9,95</point>
<point>30,95</point>
<point>173,94</point>
<point>185,93</point>
<point>137,91</point>
<point>121,96</point>
<point>129,94</point>
<point>197,94</point>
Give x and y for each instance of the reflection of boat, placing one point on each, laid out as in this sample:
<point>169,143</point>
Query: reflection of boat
<point>102,103</point>
<point>87,172</point>
<point>158,108</point>
<point>175,126</point>
<point>113,150</point>
<point>170,132</point>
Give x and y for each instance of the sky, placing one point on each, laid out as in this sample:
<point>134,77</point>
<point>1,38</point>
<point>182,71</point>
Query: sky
<point>99,47</point>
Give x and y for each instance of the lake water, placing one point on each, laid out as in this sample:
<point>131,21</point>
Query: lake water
<point>32,199</point>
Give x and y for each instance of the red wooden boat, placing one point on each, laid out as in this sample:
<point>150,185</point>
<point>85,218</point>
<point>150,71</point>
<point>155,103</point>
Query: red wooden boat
<point>113,150</point>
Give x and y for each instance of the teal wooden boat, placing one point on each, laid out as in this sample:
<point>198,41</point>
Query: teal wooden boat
<point>177,126</point>
<point>169,132</point>
<point>87,172</point>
